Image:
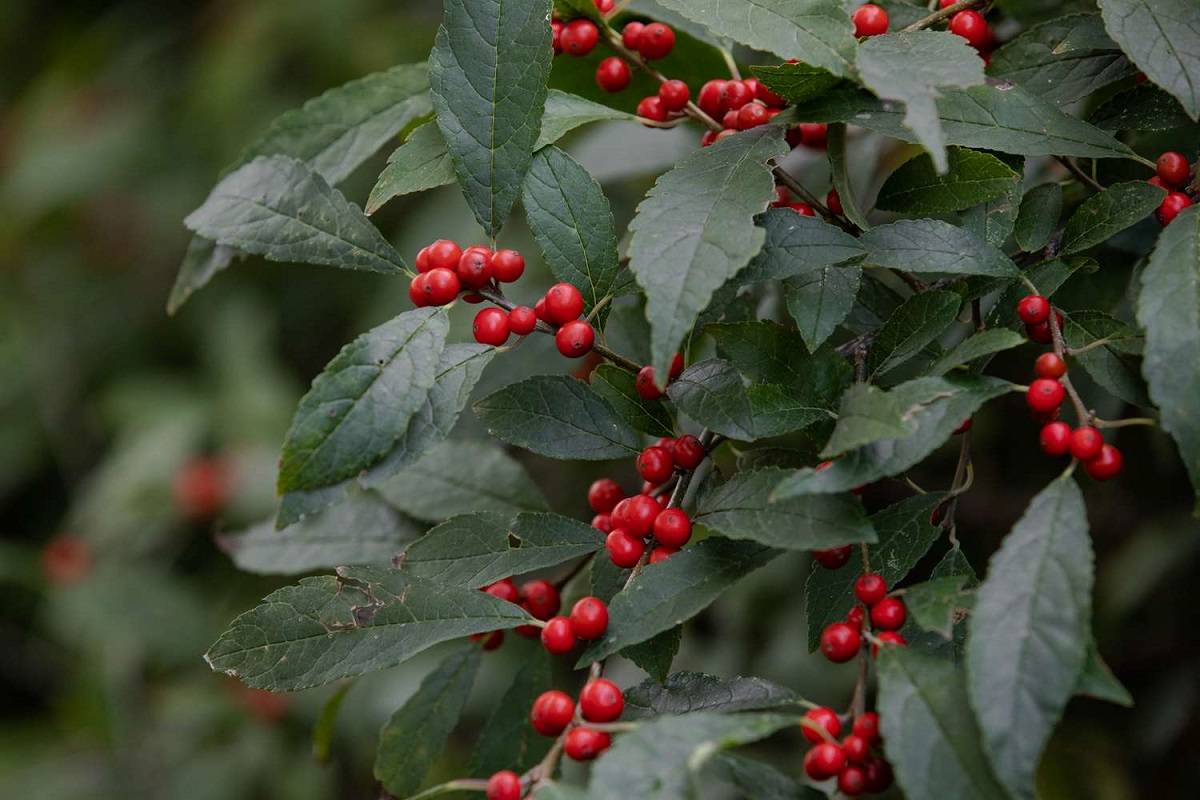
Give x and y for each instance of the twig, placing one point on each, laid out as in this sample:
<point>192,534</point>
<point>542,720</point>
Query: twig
<point>1060,348</point>
<point>1125,423</point>
<point>940,15</point>
<point>1079,174</point>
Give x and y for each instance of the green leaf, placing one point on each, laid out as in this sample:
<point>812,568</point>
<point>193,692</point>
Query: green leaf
<point>757,779</point>
<point>934,603</point>
<point>1004,118</point>
<point>414,738</point>
<point>660,760</point>
<point>1112,365</point>
<point>935,408</point>
<point>920,320</point>
<point>326,725</point>
<point>1097,680</point>
<point>360,620</point>
<point>689,692</point>
<point>421,163</point>
<point>817,32</point>
<point>993,221</point>
<point>769,353</point>
<point>929,733</point>
<point>1142,108</point>
<point>474,550</point>
<point>362,403</point>
<point>558,417</point>
<point>570,218</point>
<point>203,260</point>
<point>970,178</point>
<point>673,591</point>
<point>740,508</point>
<point>1160,36</point>
<point>654,656</point>
<point>565,112</point>
<point>507,740</point>
<point>1038,597</point>
<point>1063,60</point>
<point>1040,209</point>
<point>840,177</point>
<point>912,67</point>
<point>797,245</point>
<point>984,343</point>
<point>488,73</point>
<point>459,477</point>
<point>1169,310</point>
<point>695,230</point>
<point>795,82</point>
<point>1107,213</point>
<point>905,536</point>
<point>278,208</point>
<point>931,246</point>
<point>867,414</point>
<point>618,387</point>
<point>361,530</point>
<point>1048,277</point>
<point>819,300</point>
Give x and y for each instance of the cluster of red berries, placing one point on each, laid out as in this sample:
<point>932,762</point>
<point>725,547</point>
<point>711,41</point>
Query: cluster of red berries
<point>1046,394</point>
<point>841,641</point>
<point>1172,172</point>
<point>445,269</point>
<point>972,26</point>
<point>651,41</point>
<point>588,619</point>
<point>738,105</point>
<point>560,308</point>
<point>858,771</point>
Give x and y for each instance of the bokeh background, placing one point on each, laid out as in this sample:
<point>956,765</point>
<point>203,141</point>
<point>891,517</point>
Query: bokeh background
<point>129,440</point>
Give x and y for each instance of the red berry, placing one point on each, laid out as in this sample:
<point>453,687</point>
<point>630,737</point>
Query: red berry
<point>443,254</point>
<point>673,528</point>
<point>712,98</point>
<point>1045,395</point>
<point>504,785</point>
<point>575,339</point>
<point>631,34</point>
<point>674,95</point>
<point>522,320</point>
<point>552,712</point>
<point>422,259</point>
<point>676,366</point>
<point>856,748</point>
<point>563,303</point>
<point>584,744</point>
<point>888,614</point>
<point>1106,465</point>
<point>855,617</point>
<point>869,20</point>
<point>833,557</point>
<point>1086,443</point>
<point>603,523</point>
<point>730,120</point>
<point>825,718</point>
<point>964,426</point>
<point>652,108</point>
<point>505,590</point>
<point>852,781</point>
<point>870,588</point>
<point>971,25</point>
<point>612,74</point>
<point>1055,438</point>
<point>558,637</point>
<point>661,553</point>
<point>946,3</point>
<point>507,265</point>
<point>656,41</point>
<point>866,727</point>
<point>491,326</point>
<point>604,6</point>
<point>624,550</point>
<point>1172,204</point>
<point>1049,365</point>
<point>736,94</point>
<point>764,94</point>
<point>824,761</point>
<point>1033,309</point>
<point>655,464</point>
<point>579,37</point>
<point>833,201</point>
<point>541,598</point>
<point>441,286</point>
<point>604,494</point>
<point>803,209</point>
<point>750,116</point>
<point>491,641</point>
<point>1173,168</point>
<point>879,775</point>
<point>840,642</point>
<point>644,383</point>
<point>556,29</point>
<point>689,453</point>
<point>1153,181</point>
<point>636,515</point>
<point>589,618</point>
<point>601,700</point>
<point>475,268</point>
<point>416,291</point>
<point>66,559</point>
<point>889,638</point>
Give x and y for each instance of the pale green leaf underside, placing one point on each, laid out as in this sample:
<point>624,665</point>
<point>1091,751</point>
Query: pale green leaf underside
<point>1163,38</point>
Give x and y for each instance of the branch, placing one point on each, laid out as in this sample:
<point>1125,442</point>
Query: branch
<point>940,15</point>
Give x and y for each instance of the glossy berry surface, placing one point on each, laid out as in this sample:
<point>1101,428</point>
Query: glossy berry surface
<point>504,590</point>
<point>575,338</point>
<point>602,522</point>
<point>661,553</point>
<point>491,326</point>
<point>504,785</point>
<point>1172,204</point>
<point>579,37</point>
<point>711,98</point>
<point>440,286</point>
<point>751,115</point>
<point>1049,365</point>
<point>689,452</point>
<point>522,320</point>
<point>888,614</point>
<point>636,514</point>
<point>856,748</point>
<point>826,718</point>
<point>558,637</point>
<point>507,265</point>
<point>674,95</point>
<point>623,549</point>
<point>612,74</point>
<point>866,726</point>
<point>1106,465</point>
<point>870,589</point>
<point>889,638</point>
<point>833,201</point>
<point>869,20</point>
<point>1173,168</point>
<point>552,712</point>
<point>856,616</point>
<point>1055,438</point>
<point>631,34</point>
<point>652,108</point>
<point>852,781</point>
<point>604,494</point>
<point>589,618</point>
<point>656,41</point>
<point>833,557</point>
<point>673,528</point>
<point>585,744</point>
<point>1033,309</point>
<point>443,254</point>
<point>1086,443</point>
<point>971,25</point>
<point>1045,395</point>
<point>879,775</point>
<point>655,464</point>
<point>824,761</point>
<point>601,700</point>
<point>840,642</point>
<point>541,598</point>
<point>563,303</point>
<point>644,384</point>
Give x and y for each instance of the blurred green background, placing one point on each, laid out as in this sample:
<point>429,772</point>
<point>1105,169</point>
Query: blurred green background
<point>115,420</point>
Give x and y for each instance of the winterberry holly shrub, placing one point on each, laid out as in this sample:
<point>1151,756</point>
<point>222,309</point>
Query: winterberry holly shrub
<point>802,340</point>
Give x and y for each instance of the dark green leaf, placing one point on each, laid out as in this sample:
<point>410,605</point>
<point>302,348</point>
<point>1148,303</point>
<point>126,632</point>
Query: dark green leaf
<point>360,620</point>
<point>687,692</point>
<point>867,414</point>
<point>1160,37</point>
<point>278,208</point>
<point>984,343</point>
<point>769,353</point>
<point>929,733</point>
<point>1142,108</point>
<point>840,177</point>
<point>565,112</point>
<point>695,230</point>
<point>655,655</point>
<point>933,604</point>
<point>558,417</point>
<point>1169,309</point>
<point>955,563</point>
<point>993,221</point>
<point>756,779</point>
<point>795,82</point>
<point>488,72</point>
<point>572,223</point>
<point>1040,209</point>
<point>1047,276</point>
<point>819,300</point>
<point>671,592</point>
<point>1038,596</point>
<point>421,163</point>
<point>473,550</point>
<point>971,178</point>
<point>1112,365</point>
<point>918,322</point>
<point>1108,213</point>
<point>905,532</point>
<point>936,407</point>
<point>204,259</point>
<point>618,387</point>
<point>507,740</point>
<point>459,477</point>
<point>932,246</point>
<point>414,737</point>
<point>912,67</point>
<point>1097,680</point>
<point>362,403</point>
<point>798,245</point>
